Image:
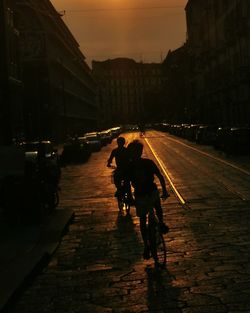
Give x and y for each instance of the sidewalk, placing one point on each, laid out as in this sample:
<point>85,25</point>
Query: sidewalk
<point>24,249</point>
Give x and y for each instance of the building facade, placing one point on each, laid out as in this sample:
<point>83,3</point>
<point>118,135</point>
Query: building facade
<point>58,90</point>
<point>61,100</point>
<point>125,87</point>
<point>11,85</point>
<point>219,45</point>
<point>176,92</point>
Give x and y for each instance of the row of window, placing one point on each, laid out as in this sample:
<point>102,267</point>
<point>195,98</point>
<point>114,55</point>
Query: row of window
<point>140,72</point>
<point>130,82</point>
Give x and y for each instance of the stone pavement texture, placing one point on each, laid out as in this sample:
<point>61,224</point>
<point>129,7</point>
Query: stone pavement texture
<point>25,248</point>
<point>98,268</point>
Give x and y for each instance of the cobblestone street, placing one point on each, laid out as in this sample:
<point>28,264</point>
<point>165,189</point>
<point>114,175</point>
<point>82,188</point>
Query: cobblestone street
<point>125,156</point>
<point>99,268</point>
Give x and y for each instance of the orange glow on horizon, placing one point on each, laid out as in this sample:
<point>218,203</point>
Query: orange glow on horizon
<point>142,30</point>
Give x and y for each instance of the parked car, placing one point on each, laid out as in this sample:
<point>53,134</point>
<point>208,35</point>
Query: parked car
<point>221,138</point>
<point>42,176</point>
<point>94,141</point>
<point>130,128</point>
<point>238,140</point>
<point>206,134</point>
<point>175,129</point>
<point>106,136</point>
<point>44,155</point>
<point>115,131</point>
<point>44,148</point>
<point>12,170</point>
<point>191,131</point>
<point>76,150</point>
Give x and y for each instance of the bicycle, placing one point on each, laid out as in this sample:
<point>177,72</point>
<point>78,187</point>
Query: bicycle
<point>122,195</point>
<point>156,240</point>
<point>142,133</point>
<point>123,199</point>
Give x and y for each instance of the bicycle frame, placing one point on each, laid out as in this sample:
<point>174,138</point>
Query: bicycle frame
<point>156,240</point>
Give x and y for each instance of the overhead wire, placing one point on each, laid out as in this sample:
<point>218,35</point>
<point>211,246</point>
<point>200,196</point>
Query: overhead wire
<point>90,10</point>
<point>63,13</point>
<point>126,9</point>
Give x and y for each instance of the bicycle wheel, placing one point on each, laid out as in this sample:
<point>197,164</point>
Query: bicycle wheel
<point>157,244</point>
<point>120,203</point>
<point>127,207</point>
<point>161,248</point>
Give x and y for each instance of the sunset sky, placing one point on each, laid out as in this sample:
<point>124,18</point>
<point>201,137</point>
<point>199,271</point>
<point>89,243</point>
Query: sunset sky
<point>140,29</point>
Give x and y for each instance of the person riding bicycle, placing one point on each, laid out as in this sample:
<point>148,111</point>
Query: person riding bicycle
<point>121,159</point>
<point>141,129</point>
<point>141,174</point>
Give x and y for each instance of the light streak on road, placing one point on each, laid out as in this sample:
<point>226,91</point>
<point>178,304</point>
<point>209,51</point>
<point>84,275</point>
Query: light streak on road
<point>163,168</point>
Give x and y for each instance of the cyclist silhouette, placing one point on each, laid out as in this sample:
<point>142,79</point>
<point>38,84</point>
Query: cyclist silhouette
<point>120,154</point>
<point>141,174</point>
<point>142,129</point>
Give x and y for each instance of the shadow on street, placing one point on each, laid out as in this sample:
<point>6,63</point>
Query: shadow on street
<point>131,246</point>
<point>160,294</point>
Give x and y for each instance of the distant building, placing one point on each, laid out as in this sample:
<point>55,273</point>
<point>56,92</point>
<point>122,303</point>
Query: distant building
<point>218,42</point>
<point>59,92</point>
<point>123,89</point>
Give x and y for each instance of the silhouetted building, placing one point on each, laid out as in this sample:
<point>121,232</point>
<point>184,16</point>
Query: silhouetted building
<point>59,92</point>
<point>218,42</point>
<point>176,92</point>
<point>124,86</point>
<point>11,92</point>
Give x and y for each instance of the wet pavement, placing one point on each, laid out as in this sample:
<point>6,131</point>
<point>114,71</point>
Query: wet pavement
<point>98,266</point>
